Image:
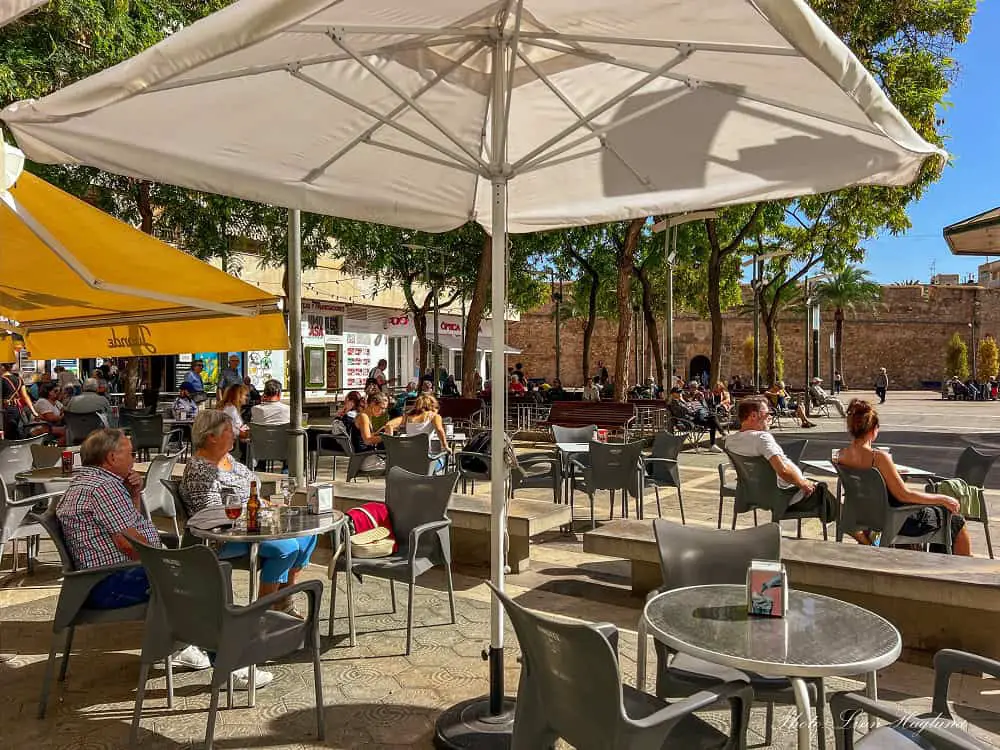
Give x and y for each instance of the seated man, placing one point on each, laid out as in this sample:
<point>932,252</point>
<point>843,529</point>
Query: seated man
<point>90,401</point>
<point>184,407</point>
<point>100,515</point>
<point>697,412</point>
<point>271,410</point>
<point>753,439</point>
<point>50,409</point>
<point>821,397</point>
<point>779,398</point>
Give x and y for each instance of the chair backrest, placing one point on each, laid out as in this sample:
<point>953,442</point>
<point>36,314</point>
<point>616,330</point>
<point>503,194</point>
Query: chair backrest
<point>269,442</point>
<point>15,457</point>
<point>156,498</point>
<point>757,484</point>
<point>693,556</point>
<point>79,426</point>
<point>414,499</point>
<point>408,452</point>
<point>866,499</point>
<point>574,434</point>
<point>147,431</point>
<point>665,445</point>
<point>53,528</point>
<point>341,436</point>
<point>615,465</point>
<point>973,466</point>
<point>191,592</point>
<point>173,487</point>
<point>45,456</point>
<point>126,416</point>
<point>793,449</point>
<point>571,669</point>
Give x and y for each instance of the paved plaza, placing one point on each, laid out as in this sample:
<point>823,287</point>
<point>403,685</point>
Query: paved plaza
<point>378,698</point>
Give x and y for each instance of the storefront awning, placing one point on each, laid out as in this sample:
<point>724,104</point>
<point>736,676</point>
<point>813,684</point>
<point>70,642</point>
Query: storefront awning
<point>80,283</point>
<point>977,235</point>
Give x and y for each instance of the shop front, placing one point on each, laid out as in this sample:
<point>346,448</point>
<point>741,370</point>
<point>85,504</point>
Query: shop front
<point>342,343</point>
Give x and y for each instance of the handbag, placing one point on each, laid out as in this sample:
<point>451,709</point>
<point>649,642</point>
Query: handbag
<point>375,539</point>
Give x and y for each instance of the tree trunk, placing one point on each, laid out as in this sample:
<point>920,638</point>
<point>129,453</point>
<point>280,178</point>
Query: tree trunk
<point>588,327</point>
<point>477,304</point>
<point>714,299</point>
<point>650,317</point>
<point>420,326</point>
<point>838,341</point>
<point>626,268</point>
<point>771,334</point>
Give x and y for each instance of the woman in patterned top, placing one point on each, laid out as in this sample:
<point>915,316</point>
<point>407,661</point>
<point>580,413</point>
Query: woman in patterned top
<point>209,473</point>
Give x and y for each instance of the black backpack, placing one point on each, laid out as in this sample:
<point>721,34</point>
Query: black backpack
<point>479,443</point>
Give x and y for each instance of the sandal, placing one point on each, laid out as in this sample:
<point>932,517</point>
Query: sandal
<point>287,606</point>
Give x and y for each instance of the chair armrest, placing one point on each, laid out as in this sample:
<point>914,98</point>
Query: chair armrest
<point>314,589</point>
<point>948,661</point>
<point>33,500</point>
<point>169,539</point>
<point>610,633</point>
<point>417,531</point>
<point>651,460</point>
<point>436,456</point>
<point>740,692</point>
<point>177,435</point>
<point>99,574</point>
<point>538,457</point>
<point>577,464</point>
<point>846,707</point>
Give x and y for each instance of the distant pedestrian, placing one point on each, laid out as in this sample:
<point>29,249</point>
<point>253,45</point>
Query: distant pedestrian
<point>838,382</point>
<point>881,384</point>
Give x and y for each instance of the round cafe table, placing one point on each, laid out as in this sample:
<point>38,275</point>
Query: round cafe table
<point>818,637</point>
<point>283,526</point>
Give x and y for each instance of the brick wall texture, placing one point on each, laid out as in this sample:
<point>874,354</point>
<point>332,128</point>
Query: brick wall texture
<point>906,334</point>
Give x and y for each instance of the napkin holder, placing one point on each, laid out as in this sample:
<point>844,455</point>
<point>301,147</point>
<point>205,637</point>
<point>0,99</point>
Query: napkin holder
<point>767,589</point>
<point>319,497</point>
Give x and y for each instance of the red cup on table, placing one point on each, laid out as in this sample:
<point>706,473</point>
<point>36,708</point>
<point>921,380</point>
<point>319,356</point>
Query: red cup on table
<point>602,436</point>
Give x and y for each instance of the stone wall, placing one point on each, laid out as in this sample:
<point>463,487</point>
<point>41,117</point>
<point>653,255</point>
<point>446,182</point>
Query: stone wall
<point>906,334</point>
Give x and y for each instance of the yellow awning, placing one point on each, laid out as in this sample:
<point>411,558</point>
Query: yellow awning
<point>80,283</point>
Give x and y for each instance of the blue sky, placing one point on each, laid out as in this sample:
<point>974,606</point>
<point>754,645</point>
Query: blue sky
<point>970,184</point>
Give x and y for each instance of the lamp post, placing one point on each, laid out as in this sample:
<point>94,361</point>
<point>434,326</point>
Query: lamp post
<point>755,284</point>
<point>669,226</point>
<point>812,323</point>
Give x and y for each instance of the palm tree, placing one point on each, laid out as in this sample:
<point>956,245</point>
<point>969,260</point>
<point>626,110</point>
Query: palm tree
<point>849,289</point>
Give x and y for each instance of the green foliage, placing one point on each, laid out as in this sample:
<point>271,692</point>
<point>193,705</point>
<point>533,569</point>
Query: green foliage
<point>989,358</point>
<point>63,42</point>
<point>956,358</point>
<point>850,288</point>
<point>779,360</point>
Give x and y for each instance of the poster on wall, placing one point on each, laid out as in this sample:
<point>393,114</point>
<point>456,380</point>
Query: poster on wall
<point>211,372</point>
<point>266,365</point>
<point>358,362</point>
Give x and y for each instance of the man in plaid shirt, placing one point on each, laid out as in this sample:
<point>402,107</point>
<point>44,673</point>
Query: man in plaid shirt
<point>100,514</point>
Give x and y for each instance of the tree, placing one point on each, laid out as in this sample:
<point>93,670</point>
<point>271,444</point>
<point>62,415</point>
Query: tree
<point>850,288</point>
<point>988,358</point>
<point>586,255</point>
<point>956,358</point>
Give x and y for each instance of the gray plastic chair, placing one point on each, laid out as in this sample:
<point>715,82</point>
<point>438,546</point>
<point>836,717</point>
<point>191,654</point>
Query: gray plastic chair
<point>574,434</point>
<point>147,434</point>
<point>268,442</point>
<point>15,457</point>
<point>609,466</point>
<point>973,467</point>
<point>537,470</point>
<point>571,688</point>
<point>936,729</point>
<point>728,489</point>
<point>192,603</point>
<point>156,498</point>
<point>866,506</point>
<point>79,426</point>
<point>338,443</point>
<point>757,488</point>
<point>45,456</point>
<point>662,469</point>
<point>15,524</point>
<point>72,609</point>
<point>693,556</point>
<point>411,452</point>
<point>418,517</point>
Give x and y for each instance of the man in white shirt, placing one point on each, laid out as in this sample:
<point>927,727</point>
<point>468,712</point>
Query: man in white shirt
<point>90,401</point>
<point>592,390</point>
<point>820,396</point>
<point>271,410</point>
<point>753,439</point>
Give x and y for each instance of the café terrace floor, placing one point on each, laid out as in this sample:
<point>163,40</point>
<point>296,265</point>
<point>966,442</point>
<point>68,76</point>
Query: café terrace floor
<point>377,698</point>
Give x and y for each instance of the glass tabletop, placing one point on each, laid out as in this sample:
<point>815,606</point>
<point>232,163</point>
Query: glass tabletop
<point>819,636</point>
<point>53,474</point>
<point>282,527</point>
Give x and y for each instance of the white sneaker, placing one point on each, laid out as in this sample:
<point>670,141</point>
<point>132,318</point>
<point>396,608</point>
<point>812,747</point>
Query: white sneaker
<point>241,678</point>
<point>191,657</point>
<point>714,449</point>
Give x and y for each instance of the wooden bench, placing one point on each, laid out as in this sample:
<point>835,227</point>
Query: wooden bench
<point>460,410</point>
<point>936,601</point>
<point>607,415</point>
<point>470,516</point>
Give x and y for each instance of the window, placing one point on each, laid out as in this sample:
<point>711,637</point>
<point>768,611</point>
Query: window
<point>457,369</point>
<point>397,360</point>
<point>333,325</point>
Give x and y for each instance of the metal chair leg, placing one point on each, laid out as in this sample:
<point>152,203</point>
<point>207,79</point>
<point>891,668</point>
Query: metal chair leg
<point>318,685</point>
<point>451,592</point>
<point>656,492</point>
<point>409,616</point>
<point>769,725</point>
<point>719,524</point>
<point>798,533</point>
<point>170,681</point>
<point>50,668</point>
<point>392,594</point>
<point>333,603</point>
<point>821,713</point>
<point>680,502</point>
<point>213,712</point>
<point>140,694</point>
<point>66,653</point>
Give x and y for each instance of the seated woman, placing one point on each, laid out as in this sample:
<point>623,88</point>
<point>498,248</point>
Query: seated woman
<point>364,435</point>
<point>422,418</point>
<point>210,470</point>
<point>50,410</point>
<point>231,404</point>
<point>780,399</point>
<point>721,397</point>
<point>863,424</point>
<point>694,410</point>
<point>353,403</point>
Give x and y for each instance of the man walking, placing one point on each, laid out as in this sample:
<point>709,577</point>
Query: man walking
<point>881,384</point>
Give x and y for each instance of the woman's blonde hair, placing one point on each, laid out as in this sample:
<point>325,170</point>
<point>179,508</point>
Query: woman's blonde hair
<point>424,403</point>
<point>233,396</point>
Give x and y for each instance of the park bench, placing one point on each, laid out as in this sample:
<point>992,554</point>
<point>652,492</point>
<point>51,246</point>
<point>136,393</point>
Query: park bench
<point>936,601</point>
<point>607,415</point>
<point>470,522</point>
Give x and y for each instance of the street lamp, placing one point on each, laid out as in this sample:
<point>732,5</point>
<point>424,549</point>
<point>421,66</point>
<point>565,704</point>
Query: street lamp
<point>758,269</point>
<point>812,323</point>
<point>670,255</point>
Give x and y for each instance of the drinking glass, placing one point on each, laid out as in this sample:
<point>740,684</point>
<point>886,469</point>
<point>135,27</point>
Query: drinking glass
<point>835,455</point>
<point>233,508</point>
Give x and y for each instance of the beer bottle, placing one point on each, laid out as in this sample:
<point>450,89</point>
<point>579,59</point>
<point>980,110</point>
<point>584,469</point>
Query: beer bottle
<point>253,509</point>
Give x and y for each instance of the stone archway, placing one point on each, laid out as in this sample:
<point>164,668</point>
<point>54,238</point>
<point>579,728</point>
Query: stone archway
<point>697,366</point>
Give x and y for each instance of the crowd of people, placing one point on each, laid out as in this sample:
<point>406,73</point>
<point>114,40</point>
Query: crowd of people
<point>971,389</point>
